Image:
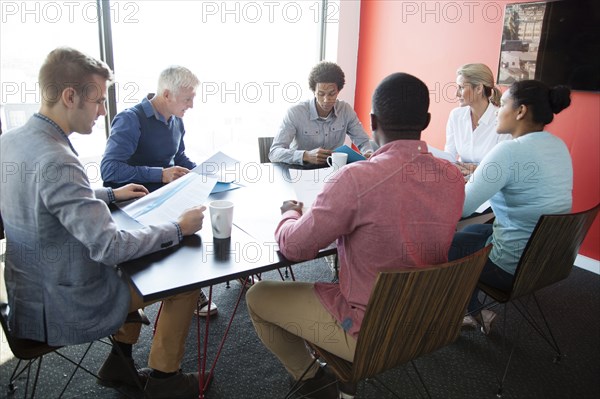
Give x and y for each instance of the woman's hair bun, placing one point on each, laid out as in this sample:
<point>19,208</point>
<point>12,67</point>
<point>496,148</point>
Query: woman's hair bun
<point>560,98</point>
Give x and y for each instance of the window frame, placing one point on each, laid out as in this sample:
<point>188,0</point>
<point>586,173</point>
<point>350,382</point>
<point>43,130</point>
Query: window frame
<point>107,50</point>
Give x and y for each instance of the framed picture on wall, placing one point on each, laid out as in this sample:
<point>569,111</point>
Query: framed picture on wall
<point>521,35</point>
<point>557,42</point>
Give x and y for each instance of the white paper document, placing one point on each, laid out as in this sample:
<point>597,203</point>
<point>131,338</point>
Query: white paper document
<point>309,183</point>
<point>221,166</point>
<point>441,154</point>
<point>168,202</point>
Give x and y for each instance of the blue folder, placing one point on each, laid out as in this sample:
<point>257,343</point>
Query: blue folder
<point>353,156</point>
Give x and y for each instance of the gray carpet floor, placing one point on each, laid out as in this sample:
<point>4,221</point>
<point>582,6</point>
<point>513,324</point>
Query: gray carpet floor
<point>466,369</point>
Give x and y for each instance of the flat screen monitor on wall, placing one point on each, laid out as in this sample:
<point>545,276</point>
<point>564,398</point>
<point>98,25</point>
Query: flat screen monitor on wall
<point>557,42</point>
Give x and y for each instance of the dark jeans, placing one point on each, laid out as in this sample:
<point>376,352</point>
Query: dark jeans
<point>470,240</point>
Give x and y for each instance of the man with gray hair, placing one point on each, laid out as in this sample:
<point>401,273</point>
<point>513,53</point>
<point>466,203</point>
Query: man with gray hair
<point>146,141</point>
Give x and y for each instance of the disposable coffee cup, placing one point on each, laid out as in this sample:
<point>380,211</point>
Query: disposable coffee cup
<point>221,218</point>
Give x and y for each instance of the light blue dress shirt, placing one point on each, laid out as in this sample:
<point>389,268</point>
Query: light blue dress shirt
<point>303,130</point>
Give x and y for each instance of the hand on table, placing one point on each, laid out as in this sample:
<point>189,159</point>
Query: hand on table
<point>466,168</point>
<point>317,156</point>
<point>291,206</point>
<point>129,191</point>
<point>173,173</point>
<point>190,220</point>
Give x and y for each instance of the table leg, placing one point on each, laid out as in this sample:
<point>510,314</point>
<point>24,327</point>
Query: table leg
<point>203,348</point>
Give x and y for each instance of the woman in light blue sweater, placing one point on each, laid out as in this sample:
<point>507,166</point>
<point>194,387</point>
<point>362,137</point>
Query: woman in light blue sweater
<point>523,179</point>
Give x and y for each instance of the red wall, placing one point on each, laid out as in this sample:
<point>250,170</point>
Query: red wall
<point>431,39</point>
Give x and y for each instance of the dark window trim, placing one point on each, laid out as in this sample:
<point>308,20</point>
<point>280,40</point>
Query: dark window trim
<point>107,55</point>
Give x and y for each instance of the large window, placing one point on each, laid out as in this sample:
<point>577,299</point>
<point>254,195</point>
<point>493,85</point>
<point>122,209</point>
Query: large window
<point>29,30</point>
<point>252,58</point>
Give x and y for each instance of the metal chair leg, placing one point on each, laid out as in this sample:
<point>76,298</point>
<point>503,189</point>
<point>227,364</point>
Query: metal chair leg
<point>420,378</point>
<point>77,367</point>
<point>37,374</point>
<point>512,350</point>
<point>27,367</point>
<point>550,340</point>
<point>298,383</point>
<point>15,374</point>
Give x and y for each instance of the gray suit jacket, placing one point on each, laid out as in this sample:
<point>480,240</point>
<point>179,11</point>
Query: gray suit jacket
<point>62,246</point>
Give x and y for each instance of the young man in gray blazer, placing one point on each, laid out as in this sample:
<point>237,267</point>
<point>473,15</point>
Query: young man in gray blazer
<point>62,245</point>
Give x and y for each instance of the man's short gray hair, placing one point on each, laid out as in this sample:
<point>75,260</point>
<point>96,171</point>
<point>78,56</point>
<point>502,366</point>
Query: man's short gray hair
<point>175,78</point>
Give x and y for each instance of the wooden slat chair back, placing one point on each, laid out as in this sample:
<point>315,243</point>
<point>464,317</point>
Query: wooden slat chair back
<point>264,146</point>
<point>551,250</point>
<point>549,254</point>
<point>547,259</point>
<point>410,313</point>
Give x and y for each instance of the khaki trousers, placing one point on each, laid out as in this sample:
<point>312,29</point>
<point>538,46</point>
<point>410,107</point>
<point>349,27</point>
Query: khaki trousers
<point>285,314</point>
<point>172,329</point>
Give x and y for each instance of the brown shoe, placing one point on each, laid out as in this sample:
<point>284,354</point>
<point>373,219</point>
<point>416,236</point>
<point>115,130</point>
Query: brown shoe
<point>115,372</point>
<point>178,386</point>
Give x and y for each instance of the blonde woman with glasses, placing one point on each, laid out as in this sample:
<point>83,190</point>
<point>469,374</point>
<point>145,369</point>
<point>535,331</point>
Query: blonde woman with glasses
<point>471,128</point>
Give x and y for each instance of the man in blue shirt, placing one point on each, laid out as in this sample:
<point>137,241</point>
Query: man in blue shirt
<point>146,141</point>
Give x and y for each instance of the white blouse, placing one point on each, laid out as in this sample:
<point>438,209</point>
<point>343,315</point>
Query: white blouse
<point>466,144</point>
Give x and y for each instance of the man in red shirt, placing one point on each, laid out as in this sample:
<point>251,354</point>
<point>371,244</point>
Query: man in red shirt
<point>397,210</point>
